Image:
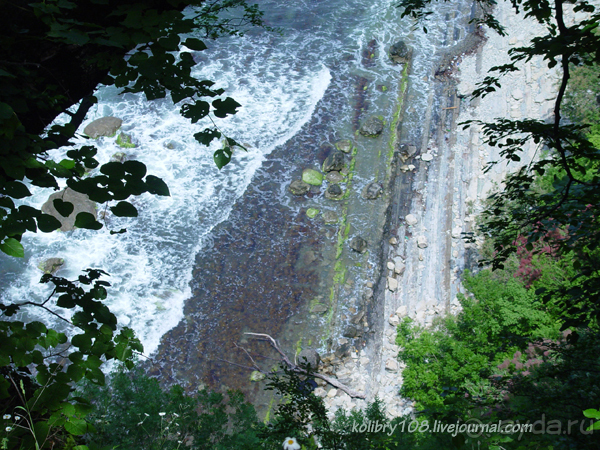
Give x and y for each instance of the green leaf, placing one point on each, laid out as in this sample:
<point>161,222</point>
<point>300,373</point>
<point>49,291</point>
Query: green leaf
<point>78,427</point>
<point>124,209</point>
<point>222,157</point>
<point>206,137</point>
<point>157,186</point>
<point>15,189</point>
<point>48,223</point>
<point>225,107</point>
<point>592,413</point>
<point>64,208</point>
<point>12,247</point>
<point>135,168</point>
<point>196,111</point>
<point>195,44</point>
<point>87,220</point>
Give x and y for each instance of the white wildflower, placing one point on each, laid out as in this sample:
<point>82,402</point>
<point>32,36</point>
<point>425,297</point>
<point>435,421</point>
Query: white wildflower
<point>6,416</point>
<point>161,414</point>
<point>9,429</point>
<point>291,444</point>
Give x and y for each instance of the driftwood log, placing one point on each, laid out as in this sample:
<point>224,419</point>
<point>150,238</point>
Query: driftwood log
<point>332,381</point>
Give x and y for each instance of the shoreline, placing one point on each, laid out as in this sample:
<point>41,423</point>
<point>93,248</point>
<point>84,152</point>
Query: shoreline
<point>444,194</point>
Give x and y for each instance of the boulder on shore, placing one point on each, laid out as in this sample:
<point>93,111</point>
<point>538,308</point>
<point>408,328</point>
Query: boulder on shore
<point>309,356</point>
<point>372,190</point>
<point>51,265</point>
<point>334,192</point>
<point>372,127</point>
<point>105,126</point>
<point>299,187</point>
<point>345,145</point>
<point>334,162</point>
<point>312,177</point>
<point>358,244</point>
<point>400,53</point>
<point>81,203</point>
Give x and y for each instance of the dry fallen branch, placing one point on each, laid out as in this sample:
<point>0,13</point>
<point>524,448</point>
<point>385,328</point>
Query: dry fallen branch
<point>332,381</point>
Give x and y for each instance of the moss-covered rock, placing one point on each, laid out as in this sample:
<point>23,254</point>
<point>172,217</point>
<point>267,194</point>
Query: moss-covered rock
<point>51,265</point>
<point>372,127</point>
<point>124,140</point>
<point>312,177</point>
<point>312,212</point>
<point>344,145</point>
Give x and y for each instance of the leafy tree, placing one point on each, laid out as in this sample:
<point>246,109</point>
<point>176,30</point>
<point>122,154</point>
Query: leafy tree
<point>53,55</point>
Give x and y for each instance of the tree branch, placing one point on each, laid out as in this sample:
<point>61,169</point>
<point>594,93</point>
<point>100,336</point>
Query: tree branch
<point>332,381</point>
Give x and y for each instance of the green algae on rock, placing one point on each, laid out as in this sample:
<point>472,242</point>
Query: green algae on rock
<point>312,177</point>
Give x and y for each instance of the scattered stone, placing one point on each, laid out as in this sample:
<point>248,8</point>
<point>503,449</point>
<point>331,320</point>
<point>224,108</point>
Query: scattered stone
<point>118,157</point>
<point>391,265</point>
<point>345,145</point>
<point>368,294</point>
<point>330,217</point>
<point>105,126</point>
<point>364,361</point>
<point>372,127</point>
<point>320,392</point>
<point>372,190</point>
<point>422,242</point>
<point>426,157</point>
<point>393,241</point>
<point>343,350</point>
<point>312,177</point>
<point>400,267</point>
<point>392,284</point>
<point>411,220</point>
<point>407,151</point>
<point>334,162</point>
<point>456,232</point>
<point>81,203</point>
<point>350,332</point>
<point>334,177</point>
<point>124,140</point>
<point>169,144</point>
<point>257,376</point>
<point>400,53</point>
<point>358,244</point>
<point>312,212</point>
<point>391,365</point>
<point>393,320</point>
<point>334,192</point>
<point>411,167</point>
<point>309,356</point>
<point>369,284</point>
<point>51,265</point>
<point>402,311</point>
<point>404,168</point>
<point>319,308</point>
<point>299,187</point>
<point>455,253</point>
<point>421,257</point>
<point>358,317</point>
<point>332,393</point>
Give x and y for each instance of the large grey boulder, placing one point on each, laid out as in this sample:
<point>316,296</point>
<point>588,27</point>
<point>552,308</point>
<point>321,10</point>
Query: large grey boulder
<point>81,203</point>
<point>105,126</point>
<point>309,356</point>
<point>372,127</point>
<point>400,53</point>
